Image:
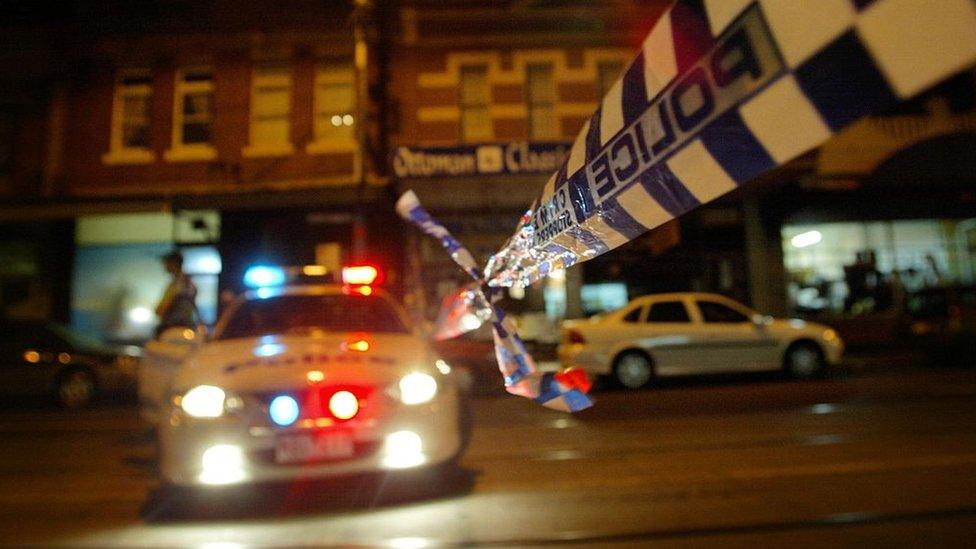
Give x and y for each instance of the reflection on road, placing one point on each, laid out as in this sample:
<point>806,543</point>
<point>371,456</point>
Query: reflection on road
<point>861,455</point>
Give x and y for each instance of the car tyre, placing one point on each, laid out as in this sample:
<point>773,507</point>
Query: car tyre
<point>633,369</point>
<point>75,388</point>
<point>804,360</point>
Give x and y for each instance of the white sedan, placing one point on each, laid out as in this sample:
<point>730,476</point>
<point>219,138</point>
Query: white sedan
<point>300,382</point>
<point>694,333</point>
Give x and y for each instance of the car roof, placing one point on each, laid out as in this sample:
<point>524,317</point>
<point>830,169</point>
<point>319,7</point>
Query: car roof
<point>678,296</point>
<point>299,289</point>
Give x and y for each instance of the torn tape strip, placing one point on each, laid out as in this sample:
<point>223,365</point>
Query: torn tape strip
<point>564,391</point>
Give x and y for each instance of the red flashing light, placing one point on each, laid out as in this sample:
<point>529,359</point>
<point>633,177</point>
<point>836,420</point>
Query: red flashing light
<point>360,275</point>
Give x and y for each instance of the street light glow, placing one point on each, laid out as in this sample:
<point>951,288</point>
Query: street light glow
<point>806,239</point>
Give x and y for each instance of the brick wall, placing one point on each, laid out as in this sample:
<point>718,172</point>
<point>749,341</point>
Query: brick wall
<point>425,85</point>
<point>89,123</point>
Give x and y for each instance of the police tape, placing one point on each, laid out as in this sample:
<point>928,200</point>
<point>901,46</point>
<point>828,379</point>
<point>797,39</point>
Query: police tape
<point>721,92</point>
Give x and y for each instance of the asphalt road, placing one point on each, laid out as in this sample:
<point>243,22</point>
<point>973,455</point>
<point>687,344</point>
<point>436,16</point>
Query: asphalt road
<point>885,457</point>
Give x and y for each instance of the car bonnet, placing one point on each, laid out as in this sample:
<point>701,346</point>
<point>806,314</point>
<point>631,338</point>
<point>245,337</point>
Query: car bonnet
<point>270,363</point>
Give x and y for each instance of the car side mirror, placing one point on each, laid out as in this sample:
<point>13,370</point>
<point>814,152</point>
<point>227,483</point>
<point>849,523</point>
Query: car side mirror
<point>761,321</point>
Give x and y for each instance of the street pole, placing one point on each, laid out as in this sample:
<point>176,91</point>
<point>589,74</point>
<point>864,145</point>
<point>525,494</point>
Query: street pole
<point>361,15</point>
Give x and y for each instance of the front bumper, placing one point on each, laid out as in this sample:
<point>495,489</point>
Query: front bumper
<point>834,351</point>
<point>242,448</point>
<point>578,355</point>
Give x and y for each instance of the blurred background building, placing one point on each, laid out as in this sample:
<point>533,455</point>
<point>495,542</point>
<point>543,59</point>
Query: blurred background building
<point>245,134</point>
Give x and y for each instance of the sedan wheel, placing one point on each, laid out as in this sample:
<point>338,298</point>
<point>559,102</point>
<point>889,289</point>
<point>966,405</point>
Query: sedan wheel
<point>76,388</point>
<point>633,370</point>
<point>804,361</point>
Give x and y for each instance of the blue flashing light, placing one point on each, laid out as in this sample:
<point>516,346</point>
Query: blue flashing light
<point>265,293</point>
<point>262,276</point>
<point>269,349</point>
<point>283,410</point>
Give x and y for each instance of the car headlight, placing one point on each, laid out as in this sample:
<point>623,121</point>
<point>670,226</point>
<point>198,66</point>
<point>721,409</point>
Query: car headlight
<point>830,335</point>
<point>204,401</point>
<point>417,388</point>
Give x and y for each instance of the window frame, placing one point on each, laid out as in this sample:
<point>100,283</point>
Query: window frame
<point>326,74</point>
<point>465,106</point>
<point>274,77</point>
<point>118,151</point>
<point>180,151</point>
<point>704,320</point>
<point>641,311</point>
<point>679,301</point>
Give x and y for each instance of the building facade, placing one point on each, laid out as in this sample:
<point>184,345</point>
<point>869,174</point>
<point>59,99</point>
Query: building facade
<point>489,100</point>
<point>231,132</point>
<point>253,134</point>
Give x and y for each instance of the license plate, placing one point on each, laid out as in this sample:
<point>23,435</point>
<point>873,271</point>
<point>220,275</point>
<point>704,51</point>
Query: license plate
<point>304,448</point>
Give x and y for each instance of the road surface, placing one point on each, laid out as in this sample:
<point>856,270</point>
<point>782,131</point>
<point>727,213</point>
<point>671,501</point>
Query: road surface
<point>879,457</point>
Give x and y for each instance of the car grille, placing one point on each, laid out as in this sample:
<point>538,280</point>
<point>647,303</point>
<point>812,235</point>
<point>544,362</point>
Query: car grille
<point>361,449</point>
<point>314,402</point>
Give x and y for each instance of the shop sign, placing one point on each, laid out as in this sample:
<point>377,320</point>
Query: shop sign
<point>513,158</point>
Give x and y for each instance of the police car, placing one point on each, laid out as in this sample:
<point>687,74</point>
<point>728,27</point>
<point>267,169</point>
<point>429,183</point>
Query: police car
<point>301,381</point>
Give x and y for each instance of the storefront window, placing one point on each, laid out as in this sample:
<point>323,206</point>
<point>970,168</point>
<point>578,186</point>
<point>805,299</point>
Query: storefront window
<point>600,298</point>
<point>118,276</point>
<point>865,267</point>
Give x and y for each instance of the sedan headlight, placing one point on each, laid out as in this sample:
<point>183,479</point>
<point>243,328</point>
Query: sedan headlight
<point>204,401</point>
<point>417,388</point>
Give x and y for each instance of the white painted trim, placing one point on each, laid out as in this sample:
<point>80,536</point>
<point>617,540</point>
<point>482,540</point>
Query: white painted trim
<point>562,73</point>
<point>439,114</point>
<point>277,77</point>
<point>579,110</point>
<point>588,73</point>
<point>179,151</point>
<point>128,156</point>
<point>118,154</point>
<point>326,74</point>
<point>190,153</point>
<point>332,146</point>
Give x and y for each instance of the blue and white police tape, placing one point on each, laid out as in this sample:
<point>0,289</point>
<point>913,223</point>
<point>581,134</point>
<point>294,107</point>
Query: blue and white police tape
<point>722,91</point>
<point>564,391</point>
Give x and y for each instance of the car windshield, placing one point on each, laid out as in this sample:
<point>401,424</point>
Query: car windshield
<point>75,339</point>
<point>296,313</point>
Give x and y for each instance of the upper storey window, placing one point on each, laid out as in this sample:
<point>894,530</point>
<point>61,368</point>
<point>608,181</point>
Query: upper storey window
<point>129,142</point>
<point>334,109</point>
<point>193,114</point>
<point>270,115</point>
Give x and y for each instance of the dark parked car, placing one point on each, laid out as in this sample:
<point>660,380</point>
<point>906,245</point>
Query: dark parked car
<point>944,318</point>
<point>48,359</point>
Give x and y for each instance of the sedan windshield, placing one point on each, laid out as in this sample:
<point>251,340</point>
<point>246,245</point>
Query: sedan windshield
<point>297,313</point>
